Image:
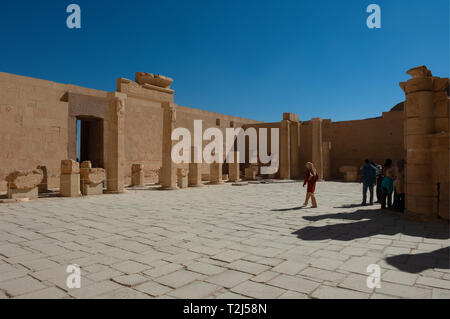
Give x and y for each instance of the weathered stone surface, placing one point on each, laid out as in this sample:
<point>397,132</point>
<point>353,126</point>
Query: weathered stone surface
<point>70,167</point>
<point>24,179</point>
<point>419,72</point>
<point>137,167</point>
<point>92,175</point>
<point>86,164</point>
<point>69,185</point>
<point>153,79</point>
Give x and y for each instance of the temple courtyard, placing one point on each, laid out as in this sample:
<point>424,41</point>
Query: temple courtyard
<point>221,241</point>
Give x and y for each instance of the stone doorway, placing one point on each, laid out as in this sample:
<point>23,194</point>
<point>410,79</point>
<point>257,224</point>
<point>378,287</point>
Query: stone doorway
<point>90,143</point>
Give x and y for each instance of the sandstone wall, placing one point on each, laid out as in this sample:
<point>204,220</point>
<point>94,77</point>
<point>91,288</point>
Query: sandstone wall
<point>34,124</point>
<point>38,125</point>
<point>376,139</point>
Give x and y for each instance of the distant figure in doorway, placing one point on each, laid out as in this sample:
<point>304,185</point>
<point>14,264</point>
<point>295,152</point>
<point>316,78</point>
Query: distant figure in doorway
<point>378,181</point>
<point>399,186</point>
<point>311,178</point>
<point>369,176</point>
<point>387,184</point>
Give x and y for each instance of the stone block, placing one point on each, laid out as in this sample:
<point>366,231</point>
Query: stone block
<point>215,173</point>
<point>440,84</point>
<point>70,167</point>
<point>182,178</point>
<point>419,84</point>
<point>92,189</point>
<point>234,172</point>
<point>250,173</point>
<point>153,79</point>
<point>290,117</point>
<point>70,185</point>
<point>137,175</point>
<point>24,179</point>
<point>419,126</point>
<point>441,124</point>
<point>86,164</point>
<point>16,193</point>
<point>194,175</point>
<point>92,175</point>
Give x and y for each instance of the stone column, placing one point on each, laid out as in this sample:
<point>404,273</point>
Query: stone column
<point>233,169</point>
<point>317,155</point>
<point>168,176</point>
<point>215,174</point>
<point>137,175</point>
<point>182,177</point>
<point>285,146</point>
<point>116,143</point>
<point>195,172</point>
<point>421,200</point>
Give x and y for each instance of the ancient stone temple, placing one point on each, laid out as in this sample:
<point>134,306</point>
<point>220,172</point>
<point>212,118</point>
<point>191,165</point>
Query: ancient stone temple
<point>43,123</point>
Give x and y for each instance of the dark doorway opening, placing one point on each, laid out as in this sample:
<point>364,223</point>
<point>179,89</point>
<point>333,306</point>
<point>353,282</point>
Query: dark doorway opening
<point>90,140</point>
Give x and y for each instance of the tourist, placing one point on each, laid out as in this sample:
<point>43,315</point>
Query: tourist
<point>387,184</point>
<point>369,176</point>
<point>399,186</point>
<point>379,177</point>
<point>311,178</point>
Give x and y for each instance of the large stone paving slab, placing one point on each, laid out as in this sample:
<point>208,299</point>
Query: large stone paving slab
<point>221,241</point>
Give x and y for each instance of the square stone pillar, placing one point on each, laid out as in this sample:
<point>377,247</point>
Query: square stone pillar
<point>215,174</point>
<point>195,172</point>
<point>285,150</point>
<point>70,179</point>
<point>317,147</point>
<point>137,175</point>
<point>233,168</point>
<point>250,173</point>
<point>182,177</point>
<point>116,143</point>
<point>168,176</point>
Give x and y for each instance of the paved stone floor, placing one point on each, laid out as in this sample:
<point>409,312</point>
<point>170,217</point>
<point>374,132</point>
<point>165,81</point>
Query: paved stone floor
<point>219,242</point>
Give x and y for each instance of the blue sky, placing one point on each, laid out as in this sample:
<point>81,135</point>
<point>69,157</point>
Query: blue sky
<point>250,58</point>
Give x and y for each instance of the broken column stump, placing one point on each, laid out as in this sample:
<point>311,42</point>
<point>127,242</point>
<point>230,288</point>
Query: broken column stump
<point>182,177</point>
<point>24,184</point>
<point>137,175</point>
<point>70,179</point>
<point>91,179</point>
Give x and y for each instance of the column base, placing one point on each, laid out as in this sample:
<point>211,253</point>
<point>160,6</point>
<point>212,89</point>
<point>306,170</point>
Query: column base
<point>195,185</point>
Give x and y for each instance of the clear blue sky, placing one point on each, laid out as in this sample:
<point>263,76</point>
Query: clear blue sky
<point>250,58</point>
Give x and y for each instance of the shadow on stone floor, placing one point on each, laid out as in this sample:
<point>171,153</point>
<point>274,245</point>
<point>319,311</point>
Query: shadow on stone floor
<point>416,263</point>
<point>370,222</point>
